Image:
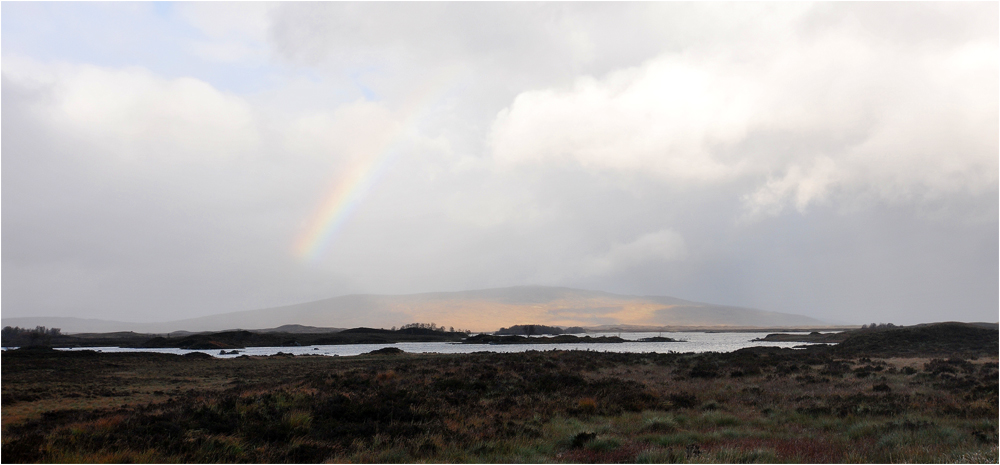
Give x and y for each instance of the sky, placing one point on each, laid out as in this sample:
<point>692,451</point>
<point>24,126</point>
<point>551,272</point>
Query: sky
<point>167,160</point>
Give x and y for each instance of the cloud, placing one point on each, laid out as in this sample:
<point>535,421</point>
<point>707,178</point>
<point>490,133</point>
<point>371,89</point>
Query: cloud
<point>665,117</point>
<point>428,33</point>
<point>231,32</point>
<point>800,186</point>
<point>166,160</point>
<point>349,132</point>
<point>663,245</point>
<point>137,114</point>
<point>249,20</point>
<point>835,116</point>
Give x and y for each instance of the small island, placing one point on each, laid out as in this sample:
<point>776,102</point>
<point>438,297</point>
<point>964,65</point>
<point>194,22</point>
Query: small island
<point>660,339</point>
<point>813,337</point>
<point>561,339</point>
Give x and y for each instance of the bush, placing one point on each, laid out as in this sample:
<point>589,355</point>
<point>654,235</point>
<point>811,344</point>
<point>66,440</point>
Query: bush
<point>728,455</point>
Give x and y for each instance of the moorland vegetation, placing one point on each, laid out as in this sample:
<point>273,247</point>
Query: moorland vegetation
<point>876,400</point>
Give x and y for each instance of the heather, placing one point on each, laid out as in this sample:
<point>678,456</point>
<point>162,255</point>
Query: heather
<point>752,405</point>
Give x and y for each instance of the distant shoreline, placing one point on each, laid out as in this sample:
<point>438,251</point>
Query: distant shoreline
<point>305,336</point>
<point>719,329</point>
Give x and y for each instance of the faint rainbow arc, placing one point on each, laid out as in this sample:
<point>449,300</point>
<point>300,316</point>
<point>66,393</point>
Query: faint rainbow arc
<point>349,190</point>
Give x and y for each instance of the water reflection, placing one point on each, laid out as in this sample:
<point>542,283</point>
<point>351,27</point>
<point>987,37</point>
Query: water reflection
<point>693,342</point>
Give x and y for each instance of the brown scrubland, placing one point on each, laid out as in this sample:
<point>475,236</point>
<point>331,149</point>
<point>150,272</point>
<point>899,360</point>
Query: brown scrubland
<point>825,404</point>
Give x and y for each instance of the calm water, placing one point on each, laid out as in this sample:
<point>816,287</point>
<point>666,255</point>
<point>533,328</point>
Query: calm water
<point>694,342</point>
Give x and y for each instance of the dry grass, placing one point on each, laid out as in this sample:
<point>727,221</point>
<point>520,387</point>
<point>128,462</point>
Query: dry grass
<point>747,407</point>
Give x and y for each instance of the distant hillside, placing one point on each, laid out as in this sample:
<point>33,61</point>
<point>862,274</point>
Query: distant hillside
<point>76,325</point>
<point>477,310</point>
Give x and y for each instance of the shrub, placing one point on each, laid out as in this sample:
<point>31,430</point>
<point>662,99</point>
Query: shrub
<point>587,405</point>
<point>661,456</point>
<point>603,444</point>
<point>582,439</point>
<point>881,387</point>
<point>716,418</point>
<point>298,420</point>
<point>682,400</point>
<point>661,425</point>
<point>705,368</point>
<point>728,455</point>
<point>680,438</point>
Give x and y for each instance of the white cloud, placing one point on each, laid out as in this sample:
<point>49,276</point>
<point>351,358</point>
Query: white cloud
<point>137,114</point>
<point>878,119</point>
<point>350,132</point>
<point>663,245</point>
<point>614,121</point>
<point>801,186</point>
<point>233,31</point>
<point>221,19</point>
<point>666,117</point>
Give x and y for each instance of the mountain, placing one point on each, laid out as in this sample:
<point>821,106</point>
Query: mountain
<point>77,325</point>
<point>477,310</point>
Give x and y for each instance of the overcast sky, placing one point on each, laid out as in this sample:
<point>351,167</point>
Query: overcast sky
<point>173,160</point>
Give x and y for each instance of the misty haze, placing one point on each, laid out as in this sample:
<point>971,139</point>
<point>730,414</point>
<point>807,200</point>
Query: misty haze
<point>832,161</point>
<point>651,200</point>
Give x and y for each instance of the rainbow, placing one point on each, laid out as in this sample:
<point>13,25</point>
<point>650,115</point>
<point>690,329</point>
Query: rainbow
<point>349,189</point>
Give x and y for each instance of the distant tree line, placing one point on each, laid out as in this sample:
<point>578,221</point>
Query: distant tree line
<point>533,330</point>
<point>432,327</point>
<point>17,336</point>
<point>879,326</point>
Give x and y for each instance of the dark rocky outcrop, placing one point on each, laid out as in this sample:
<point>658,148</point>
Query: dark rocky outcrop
<point>562,339</point>
<point>936,339</point>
